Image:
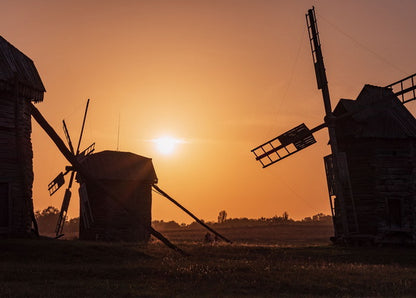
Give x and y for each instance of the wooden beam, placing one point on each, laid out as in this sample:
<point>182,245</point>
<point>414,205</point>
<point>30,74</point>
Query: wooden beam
<point>190,213</point>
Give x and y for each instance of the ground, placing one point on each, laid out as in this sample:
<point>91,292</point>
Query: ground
<point>275,266</point>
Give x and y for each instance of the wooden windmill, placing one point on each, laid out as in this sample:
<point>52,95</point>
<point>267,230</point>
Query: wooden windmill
<point>371,172</point>
<point>59,181</point>
<point>109,187</point>
<point>20,85</point>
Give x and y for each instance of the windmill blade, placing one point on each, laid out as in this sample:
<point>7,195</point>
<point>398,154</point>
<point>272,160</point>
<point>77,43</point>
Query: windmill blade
<point>405,88</point>
<point>62,214</point>
<point>68,138</point>
<point>56,183</point>
<point>286,144</point>
<point>300,137</point>
<point>90,149</point>
<point>64,207</point>
<point>318,60</point>
<point>83,125</point>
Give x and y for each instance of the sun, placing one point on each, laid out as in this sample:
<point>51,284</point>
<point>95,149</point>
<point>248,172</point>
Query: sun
<point>166,145</point>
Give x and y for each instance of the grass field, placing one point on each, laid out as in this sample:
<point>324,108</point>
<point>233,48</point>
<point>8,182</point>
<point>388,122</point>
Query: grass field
<point>262,268</point>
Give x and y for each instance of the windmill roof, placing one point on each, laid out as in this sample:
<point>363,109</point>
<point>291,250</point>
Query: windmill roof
<point>376,113</point>
<point>17,67</point>
<point>116,165</point>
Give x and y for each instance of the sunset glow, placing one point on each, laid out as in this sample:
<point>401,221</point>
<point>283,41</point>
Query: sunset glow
<point>166,145</point>
<point>229,74</point>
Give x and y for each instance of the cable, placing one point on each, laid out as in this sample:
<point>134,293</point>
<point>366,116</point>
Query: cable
<point>291,76</point>
<point>292,71</point>
<point>381,58</point>
<point>296,194</point>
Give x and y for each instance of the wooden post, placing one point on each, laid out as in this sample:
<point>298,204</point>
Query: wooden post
<point>190,214</point>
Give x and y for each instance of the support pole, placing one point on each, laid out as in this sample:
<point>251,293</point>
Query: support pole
<point>190,213</point>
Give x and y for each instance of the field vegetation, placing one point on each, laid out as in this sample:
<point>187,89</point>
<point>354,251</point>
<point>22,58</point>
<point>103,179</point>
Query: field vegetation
<point>274,259</point>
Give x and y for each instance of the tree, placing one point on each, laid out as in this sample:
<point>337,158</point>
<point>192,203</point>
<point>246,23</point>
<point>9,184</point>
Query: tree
<point>47,219</point>
<point>320,217</point>
<point>222,216</point>
<point>72,225</point>
<point>285,216</point>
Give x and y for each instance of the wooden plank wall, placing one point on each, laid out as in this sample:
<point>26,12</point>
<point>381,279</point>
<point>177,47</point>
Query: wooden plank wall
<point>381,170</point>
<point>110,221</point>
<point>16,157</point>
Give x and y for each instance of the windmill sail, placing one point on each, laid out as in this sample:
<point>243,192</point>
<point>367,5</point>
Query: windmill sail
<point>318,60</point>
<point>62,214</point>
<point>405,89</point>
<point>286,144</point>
<point>67,136</point>
<point>56,183</point>
<point>90,149</point>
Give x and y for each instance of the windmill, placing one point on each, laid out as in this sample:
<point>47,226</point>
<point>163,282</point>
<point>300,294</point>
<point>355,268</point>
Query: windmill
<point>20,84</point>
<point>59,181</point>
<point>346,200</point>
<point>102,187</point>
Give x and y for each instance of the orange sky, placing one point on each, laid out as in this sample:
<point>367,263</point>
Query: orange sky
<point>224,76</point>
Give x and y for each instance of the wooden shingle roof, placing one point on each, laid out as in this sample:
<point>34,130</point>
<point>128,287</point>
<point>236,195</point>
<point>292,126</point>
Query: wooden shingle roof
<point>376,113</point>
<point>16,67</point>
<point>116,165</point>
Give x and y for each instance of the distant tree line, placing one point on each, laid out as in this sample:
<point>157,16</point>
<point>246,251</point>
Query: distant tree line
<point>48,218</point>
<point>283,219</point>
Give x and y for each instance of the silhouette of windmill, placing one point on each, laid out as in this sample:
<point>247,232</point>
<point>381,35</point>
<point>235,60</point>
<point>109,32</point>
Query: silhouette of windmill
<point>356,168</point>
<point>107,190</point>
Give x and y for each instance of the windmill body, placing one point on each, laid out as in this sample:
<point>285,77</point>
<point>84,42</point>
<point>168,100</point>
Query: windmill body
<point>20,84</point>
<point>378,139</point>
<point>371,172</point>
<point>115,191</point>
<point>130,177</point>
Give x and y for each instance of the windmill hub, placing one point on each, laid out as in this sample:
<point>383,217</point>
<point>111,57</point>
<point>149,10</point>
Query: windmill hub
<point>330,119</point>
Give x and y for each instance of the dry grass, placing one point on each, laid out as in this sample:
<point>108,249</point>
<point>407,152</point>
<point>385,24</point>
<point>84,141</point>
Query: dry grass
<point>42,268</point>
<point>276,234</point>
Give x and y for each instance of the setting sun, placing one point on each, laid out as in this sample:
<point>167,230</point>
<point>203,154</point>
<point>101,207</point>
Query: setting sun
<point>166,145</point>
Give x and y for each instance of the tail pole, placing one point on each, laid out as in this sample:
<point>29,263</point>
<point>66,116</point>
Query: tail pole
<point>161,192</point>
